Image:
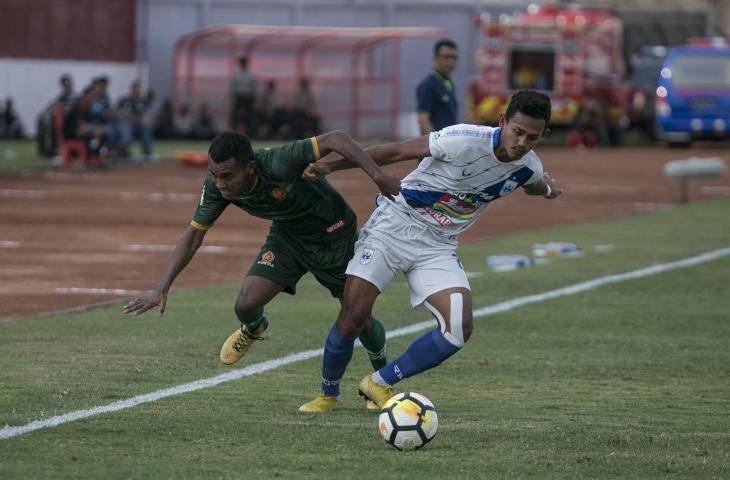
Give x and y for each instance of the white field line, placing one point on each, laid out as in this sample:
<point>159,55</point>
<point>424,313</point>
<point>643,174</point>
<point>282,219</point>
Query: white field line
<point>604,189</point>
<point>9,432</point>
<point>25,193</point>
<point>136,247</point>
<point>715,190</point>
<point>9,244</point>
<point>97,291</point>
<point>159,197</point>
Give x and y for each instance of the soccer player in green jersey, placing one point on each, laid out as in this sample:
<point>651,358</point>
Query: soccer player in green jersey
<point>313,229</point>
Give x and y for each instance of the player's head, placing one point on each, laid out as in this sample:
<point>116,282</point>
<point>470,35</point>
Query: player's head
<point>230,162</point>
<point>445,55</point>
<point>524,122</point>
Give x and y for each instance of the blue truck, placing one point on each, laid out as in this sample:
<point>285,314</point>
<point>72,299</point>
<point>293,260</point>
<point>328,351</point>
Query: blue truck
<point>693,94</point>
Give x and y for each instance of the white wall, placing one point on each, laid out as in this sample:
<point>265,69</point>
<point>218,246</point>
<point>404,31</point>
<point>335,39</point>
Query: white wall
<point>33,84</point>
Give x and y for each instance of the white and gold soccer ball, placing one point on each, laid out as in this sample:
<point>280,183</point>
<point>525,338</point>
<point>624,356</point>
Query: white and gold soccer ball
<point>408,421</point>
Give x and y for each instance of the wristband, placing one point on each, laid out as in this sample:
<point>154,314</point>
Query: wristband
<point>549,191</point>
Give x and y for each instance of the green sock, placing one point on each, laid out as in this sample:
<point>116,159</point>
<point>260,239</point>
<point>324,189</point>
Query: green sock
<point>375,346</point>
<point>253,321</point>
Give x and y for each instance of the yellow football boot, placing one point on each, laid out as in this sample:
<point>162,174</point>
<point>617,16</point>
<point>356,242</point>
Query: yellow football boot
<point>321,404</point>
<point>240,342</point>
<point>372,391</point>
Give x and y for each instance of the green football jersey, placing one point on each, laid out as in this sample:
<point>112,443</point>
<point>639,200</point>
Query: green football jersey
<point>305,211</point>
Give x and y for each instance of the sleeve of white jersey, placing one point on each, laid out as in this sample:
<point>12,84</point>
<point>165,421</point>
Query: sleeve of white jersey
<point>446,144</point>
<point>534,164</point>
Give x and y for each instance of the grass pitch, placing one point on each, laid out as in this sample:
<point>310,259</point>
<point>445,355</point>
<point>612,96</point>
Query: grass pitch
<point>628,380</point>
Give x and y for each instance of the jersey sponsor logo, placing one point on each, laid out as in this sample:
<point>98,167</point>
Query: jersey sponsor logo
<point>366,256</point>
<point>278,194</point>
<point>335,226</point>
<point>440,218</point>
<point>267,259</point>
<point>508,187</point>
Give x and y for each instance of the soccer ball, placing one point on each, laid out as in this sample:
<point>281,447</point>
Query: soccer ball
<point>408,421</point>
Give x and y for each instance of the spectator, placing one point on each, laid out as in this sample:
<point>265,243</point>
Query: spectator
<point>78,123</point>
<point>67,95</point>
<point>183,122</point>
<point>45,128</point>
<point>590,128</point>
<point>243,92</point>
<point>102,115</point>
<point>203,125</point>
<point>304,118</point>
<point>164,122</point>
<point>132,123</point>
<point>10,126</point>
<point>272,113</point>
<point>436,97</point>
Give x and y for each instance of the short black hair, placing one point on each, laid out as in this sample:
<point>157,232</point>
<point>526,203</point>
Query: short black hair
<point>229,145</point>
<point>531,103</point>
<point>444,42</point>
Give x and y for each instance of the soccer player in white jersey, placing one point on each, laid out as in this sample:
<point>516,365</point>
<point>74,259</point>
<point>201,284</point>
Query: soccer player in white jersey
<point>465,168</point>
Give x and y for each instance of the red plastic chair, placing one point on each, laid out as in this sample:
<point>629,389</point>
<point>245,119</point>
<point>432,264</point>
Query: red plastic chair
<point>67,148</point>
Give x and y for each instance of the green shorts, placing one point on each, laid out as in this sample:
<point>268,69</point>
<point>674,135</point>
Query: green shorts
<point>284,261</point>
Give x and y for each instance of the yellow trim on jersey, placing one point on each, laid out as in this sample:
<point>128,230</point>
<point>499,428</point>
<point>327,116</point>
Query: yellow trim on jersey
<point>199,226</point>
<point>315,147</point>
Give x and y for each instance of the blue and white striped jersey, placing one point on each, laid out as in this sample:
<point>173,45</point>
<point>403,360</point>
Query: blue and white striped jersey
<point>450,189</point>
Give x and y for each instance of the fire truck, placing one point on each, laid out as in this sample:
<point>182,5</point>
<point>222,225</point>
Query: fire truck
<point>570,53</point>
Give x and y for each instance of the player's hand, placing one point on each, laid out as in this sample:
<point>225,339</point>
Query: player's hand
<point>316,170</point>
<point>555,191</point>
<point>388,185</point>
<point>151,299</point>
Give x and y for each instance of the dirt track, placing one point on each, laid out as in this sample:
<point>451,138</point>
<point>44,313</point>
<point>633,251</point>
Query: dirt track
<point>77,237</point>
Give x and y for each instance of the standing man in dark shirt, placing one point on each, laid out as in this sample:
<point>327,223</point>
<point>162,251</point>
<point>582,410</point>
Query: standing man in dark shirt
<point>436,99</point>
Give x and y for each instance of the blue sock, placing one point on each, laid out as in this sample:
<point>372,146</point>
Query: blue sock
<point>337,354</point>
<point>427,351</point>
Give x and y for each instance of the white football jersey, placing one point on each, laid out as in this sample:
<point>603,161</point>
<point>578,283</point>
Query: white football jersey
<point>450,189</point>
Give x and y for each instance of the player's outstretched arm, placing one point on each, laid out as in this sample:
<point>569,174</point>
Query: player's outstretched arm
<point>385,154</point>
<point>345,146</point>
<point>185,249</point>
<point>545,187</point>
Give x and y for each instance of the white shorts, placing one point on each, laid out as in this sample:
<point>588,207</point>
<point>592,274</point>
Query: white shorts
<point>392,242</point>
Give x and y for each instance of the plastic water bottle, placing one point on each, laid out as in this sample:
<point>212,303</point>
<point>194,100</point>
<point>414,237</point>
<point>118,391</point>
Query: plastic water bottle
<point>506,263</point>
<point>556,249</point>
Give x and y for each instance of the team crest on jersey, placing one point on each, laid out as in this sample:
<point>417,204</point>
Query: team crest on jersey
<point>366,256</point>
<point>278,194</point>
<point>508,187</point>
<point>267,259</point>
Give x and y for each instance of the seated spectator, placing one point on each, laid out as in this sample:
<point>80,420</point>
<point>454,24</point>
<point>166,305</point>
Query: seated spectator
<point>78,123</point>
<point>102,115</point>
<point>132,122</point>
<point>272,114</point>
<point>183,122</point>
<point>304,118</point>
<point>203,126</point>
<point>10,126</point>
<point>164,126</point>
